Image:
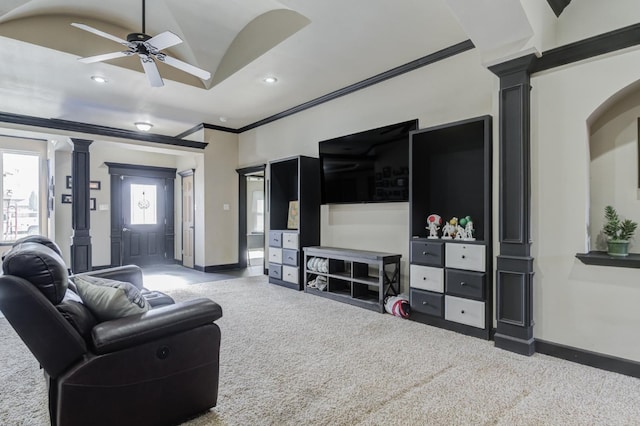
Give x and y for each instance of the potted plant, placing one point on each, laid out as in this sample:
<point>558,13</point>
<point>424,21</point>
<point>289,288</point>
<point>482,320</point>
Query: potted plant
<point>618,232</point>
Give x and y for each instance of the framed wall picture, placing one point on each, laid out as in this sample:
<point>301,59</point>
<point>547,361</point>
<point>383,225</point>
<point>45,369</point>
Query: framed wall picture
<point>68,182</point>
<point>92,203</point>
<point>293,219</point>
<point>66,199</point>
<point>94,184</point>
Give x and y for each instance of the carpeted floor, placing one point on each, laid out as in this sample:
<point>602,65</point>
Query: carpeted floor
<point>290,358</point>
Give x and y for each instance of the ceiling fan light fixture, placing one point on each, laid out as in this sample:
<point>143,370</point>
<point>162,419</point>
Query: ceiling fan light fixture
<point>98,79</point>
<point>143,126</point>
<point>147,48</point>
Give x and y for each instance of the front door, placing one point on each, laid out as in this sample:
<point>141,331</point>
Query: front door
<point>143,218</point>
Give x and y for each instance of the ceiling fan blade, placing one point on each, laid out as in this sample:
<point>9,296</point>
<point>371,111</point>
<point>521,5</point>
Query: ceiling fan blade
<point>101,33</point>
<point>105,57</point>
<point>198,72</point>
<point>164,40</point>
<point>151,70</point>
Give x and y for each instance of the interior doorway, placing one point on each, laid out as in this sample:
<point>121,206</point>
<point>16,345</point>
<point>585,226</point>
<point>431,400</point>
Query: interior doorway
<point>252,217</point>
<point>188,219</point>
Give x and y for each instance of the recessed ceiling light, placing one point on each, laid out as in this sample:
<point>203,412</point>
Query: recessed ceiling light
<point>98,79</point>
<point>143,126</point>
<point>270,80</point>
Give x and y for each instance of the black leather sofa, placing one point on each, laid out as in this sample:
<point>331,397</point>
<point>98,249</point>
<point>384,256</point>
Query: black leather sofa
<point>159,367</point>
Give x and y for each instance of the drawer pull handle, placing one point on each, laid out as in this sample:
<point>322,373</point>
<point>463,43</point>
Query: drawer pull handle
<point>424,278</point>
<point>463,283</point>
<point>424,303</point>
<point>462,311</point>
<point>463,256</point>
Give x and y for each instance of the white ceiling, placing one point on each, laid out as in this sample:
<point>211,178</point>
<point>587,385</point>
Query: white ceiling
<point>344,42</point>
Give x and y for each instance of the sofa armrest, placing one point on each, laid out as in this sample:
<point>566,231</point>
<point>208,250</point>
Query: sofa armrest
<point>133,330</point>
<point>128,273</point>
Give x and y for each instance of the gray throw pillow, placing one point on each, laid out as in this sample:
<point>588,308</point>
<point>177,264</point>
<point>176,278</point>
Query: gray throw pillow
<point>110,299</point>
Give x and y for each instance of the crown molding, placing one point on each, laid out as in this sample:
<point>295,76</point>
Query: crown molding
<point>93,129</point>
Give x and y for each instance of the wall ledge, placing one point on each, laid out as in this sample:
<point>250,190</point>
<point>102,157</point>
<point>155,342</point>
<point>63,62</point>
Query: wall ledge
<point>601,258</point>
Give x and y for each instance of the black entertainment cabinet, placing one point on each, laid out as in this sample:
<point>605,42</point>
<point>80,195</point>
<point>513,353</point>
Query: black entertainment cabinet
<point>292,179</point>
<point>451,284</point>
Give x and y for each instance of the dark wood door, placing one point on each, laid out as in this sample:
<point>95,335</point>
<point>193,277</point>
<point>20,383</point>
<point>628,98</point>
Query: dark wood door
<point>143,219</point>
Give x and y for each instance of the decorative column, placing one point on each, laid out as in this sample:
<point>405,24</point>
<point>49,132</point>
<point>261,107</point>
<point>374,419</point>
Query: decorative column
<point>80,209</point>
<point>514,272</point>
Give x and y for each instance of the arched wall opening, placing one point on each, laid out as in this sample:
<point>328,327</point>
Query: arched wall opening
<point>613,163</point>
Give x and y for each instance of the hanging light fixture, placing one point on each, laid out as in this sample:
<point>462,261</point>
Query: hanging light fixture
<point>143,126</point>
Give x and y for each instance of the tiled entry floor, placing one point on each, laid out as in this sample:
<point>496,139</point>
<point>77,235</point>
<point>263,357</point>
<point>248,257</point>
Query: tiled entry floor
<point>158,276</point>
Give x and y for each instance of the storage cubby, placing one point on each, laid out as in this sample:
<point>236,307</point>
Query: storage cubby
<point>292,179</point>
<point>339,286</point>
<point>451,282</point>
<point>450,166</point>
<point>358,277</point>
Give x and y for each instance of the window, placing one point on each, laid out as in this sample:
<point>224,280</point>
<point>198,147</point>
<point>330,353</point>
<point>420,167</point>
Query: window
<point>143,205</point>
<point>20,189</point>
<point>257,210</point>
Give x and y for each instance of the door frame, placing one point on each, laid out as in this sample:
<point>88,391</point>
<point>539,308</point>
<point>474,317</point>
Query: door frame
<point>242,210</point>
<point>183,174</point>
<point>118,171</point>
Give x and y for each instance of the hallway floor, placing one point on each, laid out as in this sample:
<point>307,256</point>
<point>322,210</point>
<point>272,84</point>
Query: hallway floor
<point>158,276</point>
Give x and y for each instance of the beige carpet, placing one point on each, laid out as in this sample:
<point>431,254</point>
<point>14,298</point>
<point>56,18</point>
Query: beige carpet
<point>292,358</point>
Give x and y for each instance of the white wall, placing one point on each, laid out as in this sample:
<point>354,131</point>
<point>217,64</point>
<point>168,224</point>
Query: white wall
<point>454,89</point>
<point>588,307</point>
<point>62,212</point>
<point>220,200</point>
<point>586,18</point>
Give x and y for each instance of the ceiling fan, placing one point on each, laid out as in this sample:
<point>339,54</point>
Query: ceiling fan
<point>147,48</point>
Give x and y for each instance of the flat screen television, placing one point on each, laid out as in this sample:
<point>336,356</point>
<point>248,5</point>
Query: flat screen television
<point>367,167</point>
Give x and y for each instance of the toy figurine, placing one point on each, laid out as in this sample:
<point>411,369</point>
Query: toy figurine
<point>433,225</point>
<point>467,225</point>
<point>469,229</point>
<point>449,229</point>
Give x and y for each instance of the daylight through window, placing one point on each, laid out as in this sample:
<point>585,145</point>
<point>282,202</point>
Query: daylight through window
<point>143,205</point>
<point>20,203</point>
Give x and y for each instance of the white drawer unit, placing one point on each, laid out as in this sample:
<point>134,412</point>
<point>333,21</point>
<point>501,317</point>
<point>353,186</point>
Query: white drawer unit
<point>290,240</point>
<point>427,278</point>
<point>275,255</point>
<point>290,274</point>
<point>465,256</point>
<point>464,311</point>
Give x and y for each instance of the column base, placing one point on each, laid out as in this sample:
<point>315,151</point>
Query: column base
<point>513,344</point>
